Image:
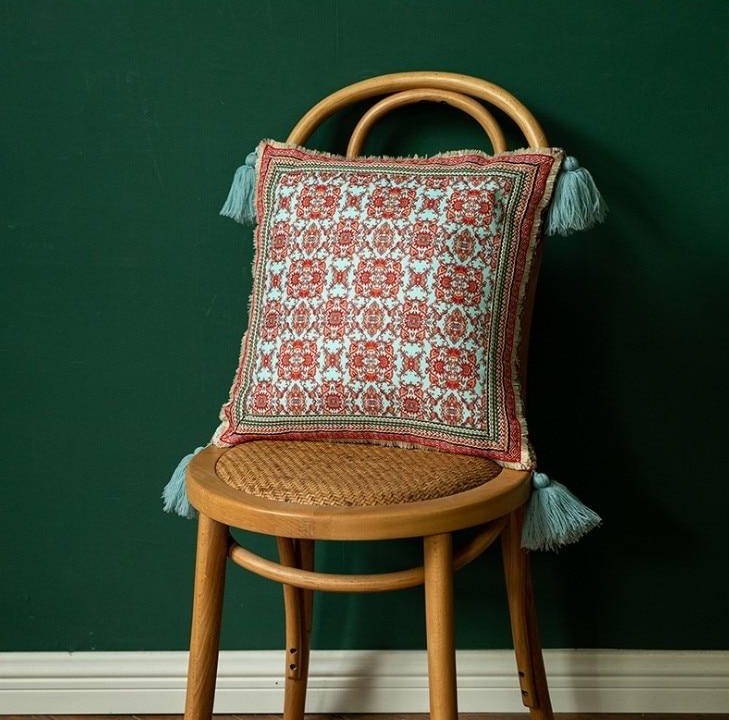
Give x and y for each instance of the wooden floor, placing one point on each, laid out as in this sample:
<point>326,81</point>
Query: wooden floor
<point>389,716</point>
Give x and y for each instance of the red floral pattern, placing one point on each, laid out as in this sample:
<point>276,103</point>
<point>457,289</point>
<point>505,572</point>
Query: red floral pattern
<point>298,360</point>
<point>452,368</point>
<point>306,278</point>
<point>414,321</point>
<point>386,300</point>
<point>371,361</point>
<point>391,202</point>
<point>317,201</point>
<point>459,284</point>
<point>336,311</point>
<point>378,278</point>
<point>471,207</point>
<point>425,236</point>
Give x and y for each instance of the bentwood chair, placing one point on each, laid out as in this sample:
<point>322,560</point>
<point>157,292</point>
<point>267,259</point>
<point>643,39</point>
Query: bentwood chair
<point>335,485</point>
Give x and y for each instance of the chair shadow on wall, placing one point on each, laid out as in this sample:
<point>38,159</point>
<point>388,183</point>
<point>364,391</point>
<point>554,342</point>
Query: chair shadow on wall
<point>573,338</point>
<point>372,624</point>
<point>576,335</point>
<point>396,138</point>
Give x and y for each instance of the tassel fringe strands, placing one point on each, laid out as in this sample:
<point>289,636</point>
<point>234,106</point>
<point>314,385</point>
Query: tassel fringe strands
<point>554,516</point>
<point>174,495</point>
<point>576,203</point>
<point>241,202</point>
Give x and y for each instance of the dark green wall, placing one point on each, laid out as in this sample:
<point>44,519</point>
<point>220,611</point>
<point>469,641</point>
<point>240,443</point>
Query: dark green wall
<point>124,296</point>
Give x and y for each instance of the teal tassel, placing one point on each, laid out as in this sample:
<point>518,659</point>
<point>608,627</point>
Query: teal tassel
<point>241,202</point>
<point>576,202</point>
<point>554,516</point>
<point>175,494</point>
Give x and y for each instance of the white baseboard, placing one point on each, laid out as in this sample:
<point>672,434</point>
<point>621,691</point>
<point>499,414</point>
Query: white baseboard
<point>581,681</point>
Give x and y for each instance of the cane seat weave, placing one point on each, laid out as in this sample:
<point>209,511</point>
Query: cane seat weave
<point>346,474</point>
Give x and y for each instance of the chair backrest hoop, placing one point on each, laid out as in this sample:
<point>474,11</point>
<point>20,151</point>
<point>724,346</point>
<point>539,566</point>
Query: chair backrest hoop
<point>463,102</point>
<point>458,91</point>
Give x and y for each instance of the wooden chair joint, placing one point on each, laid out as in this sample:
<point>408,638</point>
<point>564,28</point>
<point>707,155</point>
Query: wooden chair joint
<point>293,669</point>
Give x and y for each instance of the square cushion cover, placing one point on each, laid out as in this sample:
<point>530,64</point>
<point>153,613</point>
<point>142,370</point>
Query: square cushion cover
<point>387,300</point>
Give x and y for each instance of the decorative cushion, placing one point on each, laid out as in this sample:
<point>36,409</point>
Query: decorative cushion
<point>387,298</point>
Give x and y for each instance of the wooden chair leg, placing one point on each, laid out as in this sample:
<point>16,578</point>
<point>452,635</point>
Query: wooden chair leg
<point>306,562</point>
<point>438,562</point>
<point>522,610</point>
<point>207,607</point>
<point>298,605</point>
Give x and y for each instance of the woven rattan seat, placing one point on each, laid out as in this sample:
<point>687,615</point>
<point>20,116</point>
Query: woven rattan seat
<point>344,474</point>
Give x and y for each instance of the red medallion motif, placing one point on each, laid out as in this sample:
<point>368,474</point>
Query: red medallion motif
<point>265,359</point>
<point>354,201</point>
<point>306,278</point>
<point>423,242</point>
<point>452,409</point>
<point>332,360</point>
<point>264,398</point>
<point>340,277</point>
<point>432,204</point>
<point>384,238</point>
<point>335,318</point>
<point>272,321</point>
<point>280,234</point>
<point>411,401</point>
<point>378,277</point>
<point>333,398</point>
<point>391,202</point>
<point>312,239</point>
<point>452,368</point>
<point>318,202</point>
<point>346,236</point>
<point>298,360</point>
<point>470,207</point>
<point>295,401</point>
<point>459,284</point>
<point>371,361</point>
<point>418,280</point>
<point>372,402</point>
<point>463,245</point>
<point>373,318</point>
<point>456,325</point>
<point>411,363</point>
<point>301,318</point>
<point>414,319</point>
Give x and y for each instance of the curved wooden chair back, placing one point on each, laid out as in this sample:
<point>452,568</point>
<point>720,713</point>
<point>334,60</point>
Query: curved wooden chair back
<point>496,505</point>
<point>460,91</point>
